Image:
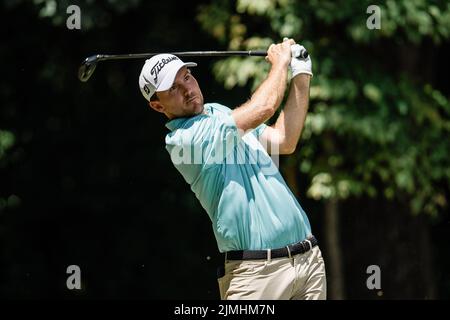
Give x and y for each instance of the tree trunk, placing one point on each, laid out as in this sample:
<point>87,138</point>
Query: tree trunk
<point>421,64</point>
<point>334,265</point>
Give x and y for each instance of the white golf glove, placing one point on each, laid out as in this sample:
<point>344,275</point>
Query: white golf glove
<point>300,65</point>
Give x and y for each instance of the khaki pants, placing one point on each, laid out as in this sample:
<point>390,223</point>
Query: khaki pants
<point>300,277</point>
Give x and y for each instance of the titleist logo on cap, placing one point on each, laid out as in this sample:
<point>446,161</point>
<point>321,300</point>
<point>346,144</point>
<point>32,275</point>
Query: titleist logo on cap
<point>159,65</point>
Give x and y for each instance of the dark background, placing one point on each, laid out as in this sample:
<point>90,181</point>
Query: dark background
<point>88,181</point>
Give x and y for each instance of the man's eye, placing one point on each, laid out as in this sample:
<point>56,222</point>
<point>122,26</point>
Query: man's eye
<point>173,88</point>
<point>187,77</point>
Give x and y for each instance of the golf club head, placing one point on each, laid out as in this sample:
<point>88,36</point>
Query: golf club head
<point>87,68</point>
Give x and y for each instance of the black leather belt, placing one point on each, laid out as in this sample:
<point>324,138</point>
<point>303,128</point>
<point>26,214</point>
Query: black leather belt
<point>290,250</point>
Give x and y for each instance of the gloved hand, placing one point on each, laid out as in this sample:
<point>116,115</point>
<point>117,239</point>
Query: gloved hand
<point>300,65</point>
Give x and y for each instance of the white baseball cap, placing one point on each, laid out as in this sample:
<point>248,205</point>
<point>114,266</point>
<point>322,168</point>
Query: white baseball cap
<point>159,72</point>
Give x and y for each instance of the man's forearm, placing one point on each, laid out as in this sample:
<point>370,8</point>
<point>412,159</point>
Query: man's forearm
<point>292,118</point>
<point>264,101</point>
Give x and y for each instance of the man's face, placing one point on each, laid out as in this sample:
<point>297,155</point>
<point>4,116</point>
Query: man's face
<point>183,99</point>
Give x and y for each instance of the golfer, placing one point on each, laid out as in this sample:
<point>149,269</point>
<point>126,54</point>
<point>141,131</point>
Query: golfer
<point>226,156</point>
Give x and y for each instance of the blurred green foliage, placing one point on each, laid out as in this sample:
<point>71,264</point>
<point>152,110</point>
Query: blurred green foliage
<point>6,142</point>
<point>376,125</point>
<point>85,178</point>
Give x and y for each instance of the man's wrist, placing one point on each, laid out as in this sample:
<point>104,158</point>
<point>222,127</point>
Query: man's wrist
<point>302,72</point>
<point>280,66</point>
<point>278,70</point>
<point>302,78</point>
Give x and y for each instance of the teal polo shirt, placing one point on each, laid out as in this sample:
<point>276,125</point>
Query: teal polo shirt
<point>236,182</point>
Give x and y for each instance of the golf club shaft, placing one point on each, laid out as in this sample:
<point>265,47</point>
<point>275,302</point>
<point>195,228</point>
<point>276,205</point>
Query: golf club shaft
<point>103,57</point>
<point>258,53</point>
<point>89,64</point>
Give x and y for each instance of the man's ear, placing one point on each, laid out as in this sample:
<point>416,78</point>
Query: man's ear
<point>156,105</point>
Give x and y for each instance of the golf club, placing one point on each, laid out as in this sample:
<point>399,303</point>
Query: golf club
<point>89,64</point>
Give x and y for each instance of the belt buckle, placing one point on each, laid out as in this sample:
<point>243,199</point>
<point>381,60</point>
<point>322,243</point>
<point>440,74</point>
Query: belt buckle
<point>310,245</point>
<point>303,246</point>
<point>289,252</point>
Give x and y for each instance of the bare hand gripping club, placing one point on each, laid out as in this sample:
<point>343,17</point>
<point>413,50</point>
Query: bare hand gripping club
<point>89,64</point>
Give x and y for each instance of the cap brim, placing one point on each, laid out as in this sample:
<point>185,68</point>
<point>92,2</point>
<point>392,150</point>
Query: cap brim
<point>170,78</point>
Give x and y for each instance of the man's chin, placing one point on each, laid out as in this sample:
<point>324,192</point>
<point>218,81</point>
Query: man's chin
<point>194,109</point>
<point>199,108</point>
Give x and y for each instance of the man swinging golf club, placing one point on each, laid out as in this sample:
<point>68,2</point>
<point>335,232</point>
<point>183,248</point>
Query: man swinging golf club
<point>223,153</point>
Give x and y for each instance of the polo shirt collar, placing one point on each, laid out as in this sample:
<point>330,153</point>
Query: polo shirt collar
<point>175,123</point>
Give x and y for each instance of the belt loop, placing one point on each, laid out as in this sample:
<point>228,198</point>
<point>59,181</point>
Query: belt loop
<point>310,244</point>
<point>226,257</point>
<point>269,255</point>
<point>289,252</point>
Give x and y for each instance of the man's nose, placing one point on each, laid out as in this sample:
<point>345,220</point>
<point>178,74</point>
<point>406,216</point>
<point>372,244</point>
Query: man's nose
<point>187,91</point>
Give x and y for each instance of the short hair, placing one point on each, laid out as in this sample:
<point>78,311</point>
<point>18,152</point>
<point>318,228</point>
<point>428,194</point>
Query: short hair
<point>154,97</point>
